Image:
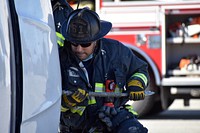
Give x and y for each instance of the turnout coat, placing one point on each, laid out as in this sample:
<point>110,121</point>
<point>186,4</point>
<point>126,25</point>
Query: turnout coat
<point>111,61</point>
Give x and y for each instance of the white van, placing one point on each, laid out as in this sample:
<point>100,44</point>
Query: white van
<point>30,79</point>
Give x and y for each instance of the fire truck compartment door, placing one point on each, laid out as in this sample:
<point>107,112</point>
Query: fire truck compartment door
<point>130,15</point>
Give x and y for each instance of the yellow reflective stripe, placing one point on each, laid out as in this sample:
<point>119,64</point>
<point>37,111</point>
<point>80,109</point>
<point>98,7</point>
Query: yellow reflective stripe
<point>60,39</point>
<point>60,35</point>
<point>141,76</point>
<point>64,109</point>
<point>117,89</point>
<point>130,109</point>
<point>91,100</point>
<point>99,87</point>
<point>78,109</point>
<point>60,43</point>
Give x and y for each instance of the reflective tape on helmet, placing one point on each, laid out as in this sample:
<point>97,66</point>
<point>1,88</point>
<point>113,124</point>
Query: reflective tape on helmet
<point>142,77</point>
<point>60,39</point>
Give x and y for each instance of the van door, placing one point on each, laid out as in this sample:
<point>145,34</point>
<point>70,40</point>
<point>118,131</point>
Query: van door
<point>5,68</point>
<point>30,76</point>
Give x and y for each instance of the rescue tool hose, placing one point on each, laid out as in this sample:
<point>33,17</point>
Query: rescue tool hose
<point>109,94</point>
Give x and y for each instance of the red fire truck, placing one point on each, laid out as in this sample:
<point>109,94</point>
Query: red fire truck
<point>165,33</point>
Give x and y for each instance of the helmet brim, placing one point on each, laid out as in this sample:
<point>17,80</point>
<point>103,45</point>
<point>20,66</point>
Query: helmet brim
<point>105,28</point>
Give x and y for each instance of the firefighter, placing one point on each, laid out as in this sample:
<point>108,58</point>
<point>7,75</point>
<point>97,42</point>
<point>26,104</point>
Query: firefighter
<point>61,10</point>
<point>92,63</point>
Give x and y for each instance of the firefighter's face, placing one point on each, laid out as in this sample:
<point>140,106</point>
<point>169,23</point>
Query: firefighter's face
<point>83,51</point>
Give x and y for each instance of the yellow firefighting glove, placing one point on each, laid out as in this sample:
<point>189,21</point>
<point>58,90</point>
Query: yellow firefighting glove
<point>75,98</point>
<point>135,90</point>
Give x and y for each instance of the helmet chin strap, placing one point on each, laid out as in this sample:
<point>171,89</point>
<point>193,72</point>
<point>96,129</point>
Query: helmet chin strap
<point>79,1</point>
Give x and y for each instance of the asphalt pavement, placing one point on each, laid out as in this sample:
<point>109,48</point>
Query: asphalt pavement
<point>177,119</point>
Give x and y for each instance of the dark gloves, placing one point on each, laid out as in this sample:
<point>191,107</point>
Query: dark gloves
<point>106,113</point>
<point>75,98</point>
<point>109,109</point>
<point>105,119</point>
<point>135,90</point>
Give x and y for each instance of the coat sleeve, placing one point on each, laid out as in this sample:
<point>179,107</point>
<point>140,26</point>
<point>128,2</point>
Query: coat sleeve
<point>137,69</point>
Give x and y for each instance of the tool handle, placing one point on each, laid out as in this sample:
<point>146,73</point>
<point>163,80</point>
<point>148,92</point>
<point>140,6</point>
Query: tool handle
<point>110,94</point>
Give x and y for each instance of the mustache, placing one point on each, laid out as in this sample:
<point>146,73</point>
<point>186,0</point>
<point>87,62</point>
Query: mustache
<point>78,53</point>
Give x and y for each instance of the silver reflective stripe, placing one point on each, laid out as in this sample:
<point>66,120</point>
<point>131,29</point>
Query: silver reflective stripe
<point>91,100</point>
<point>78,109</point>
<point>100,87</point>
<point>84,70</point>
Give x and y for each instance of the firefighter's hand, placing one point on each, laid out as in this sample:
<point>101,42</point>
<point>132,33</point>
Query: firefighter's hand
<point>79,95</point>
<point>109,109</point>
<point>135,90</point>
<point>75,98</point>
<point>105,119</point>
<point>106,113</point>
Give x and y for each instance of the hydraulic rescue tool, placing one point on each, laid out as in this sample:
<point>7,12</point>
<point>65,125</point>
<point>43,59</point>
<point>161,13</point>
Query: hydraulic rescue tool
<point>110,94</point>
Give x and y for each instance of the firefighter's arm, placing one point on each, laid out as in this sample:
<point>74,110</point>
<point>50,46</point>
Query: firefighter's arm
<point>137,84</point>
<point>138,78</point>
<point>75,98</point>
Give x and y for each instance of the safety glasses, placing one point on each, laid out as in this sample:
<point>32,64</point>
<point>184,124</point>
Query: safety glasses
<point>82,45</point>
